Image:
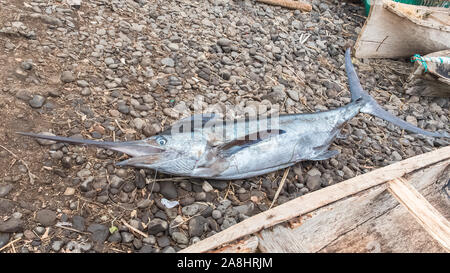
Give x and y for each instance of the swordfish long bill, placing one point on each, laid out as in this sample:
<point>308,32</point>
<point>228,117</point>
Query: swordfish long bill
<point>205,146</point>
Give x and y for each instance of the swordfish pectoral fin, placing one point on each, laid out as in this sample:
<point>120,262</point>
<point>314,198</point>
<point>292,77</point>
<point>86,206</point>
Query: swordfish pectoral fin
<point>236,145</point>
<point>214,169</point>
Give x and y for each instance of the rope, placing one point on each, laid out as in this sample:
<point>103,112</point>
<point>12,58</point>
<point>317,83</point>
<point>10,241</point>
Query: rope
<point>423,60</point>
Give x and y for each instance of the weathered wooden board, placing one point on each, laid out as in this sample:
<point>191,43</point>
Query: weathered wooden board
<point>249,245</point>
<point>394,30</point>
<point>367,222</point>
<point>313,201</point>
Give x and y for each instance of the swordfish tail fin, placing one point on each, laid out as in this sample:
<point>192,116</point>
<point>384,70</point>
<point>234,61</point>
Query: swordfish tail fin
<point>133,148</point>
<point>370,106</point>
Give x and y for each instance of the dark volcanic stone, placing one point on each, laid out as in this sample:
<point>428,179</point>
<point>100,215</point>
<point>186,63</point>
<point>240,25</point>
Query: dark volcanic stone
<point>156,226</point>
<point>196,226</point>
<point>78,223</point>
<point>46,217</point>
<point>6,206</point>
<point>115,237</point>
<point>11,225</point>
<point>163,241</point>
<point>168,190</point>
<point>146,249</point>
<point>99,232</point>
<point>4,239</point>
<point>140,180</point>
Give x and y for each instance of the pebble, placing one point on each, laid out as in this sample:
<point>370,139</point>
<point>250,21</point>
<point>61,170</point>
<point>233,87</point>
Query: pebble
<point>37,101</point>
<point>116,237</point>
<point>196,226</point>
<point>5,189</point>
<point>190,210</point>
<point>168,190</point>
<point>4,239</point>
<point>67,77</point>
<point>57,245</point>
<point>46,217</point>
<point>156,226</point>
<point>168,62</point>
<point>180,238</point>
<point>78,223</point>
<point>11,225</point>
<point>99,232</point>
<point>127,237</point>
<point>313,182</point>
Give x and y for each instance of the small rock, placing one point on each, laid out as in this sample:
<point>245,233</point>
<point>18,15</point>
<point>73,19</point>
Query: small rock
<point>150,240</point>
<point>216,214</point>
<point>196,226</point>
<point>168,62</point>
<point>207,187</point>
<point>127,237</point>
<point>116,237</point>
<point>180,238</point>
<point>5,189</point>
<point>190,210</point>
<point>46,217</point>
<point>313,182</point>
<point>78,223</point>
<point>168,190</point>
<point>156,226</point>
<point>11,225</point>
<point>144,203</point>
<point>67,77</point>
<point>69,191</point>
<point>57,245</point>
<point>99,232</point>
<point>37,101</point>
<point>4,239</point>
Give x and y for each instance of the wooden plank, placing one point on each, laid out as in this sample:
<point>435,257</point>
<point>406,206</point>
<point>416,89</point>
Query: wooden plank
<point>317,199</point>
<point>300,5</point>
<point>244,246</point>
<point>427,216</point>
<point>366,216</point>
<point>395,30</point>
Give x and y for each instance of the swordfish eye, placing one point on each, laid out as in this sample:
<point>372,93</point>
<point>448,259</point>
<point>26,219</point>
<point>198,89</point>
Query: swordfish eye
<point>161,140</point>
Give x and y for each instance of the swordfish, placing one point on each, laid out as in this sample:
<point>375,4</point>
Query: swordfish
<point>206,146</point>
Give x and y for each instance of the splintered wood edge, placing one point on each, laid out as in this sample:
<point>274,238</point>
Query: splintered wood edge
<point>426,215</point>
<point>312,201</point>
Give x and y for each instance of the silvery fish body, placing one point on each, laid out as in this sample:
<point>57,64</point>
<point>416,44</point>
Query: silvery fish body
<point>206,146</point>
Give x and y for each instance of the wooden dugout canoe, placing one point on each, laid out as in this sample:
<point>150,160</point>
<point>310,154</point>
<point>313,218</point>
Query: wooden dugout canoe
<point>403,207</point>
<point>394,30</point>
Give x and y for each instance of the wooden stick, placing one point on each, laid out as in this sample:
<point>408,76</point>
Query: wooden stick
<point>428,217</point>
<point>300,5</point>
<point>280,186</point>
<point>320,198</point>
<point>10,243</point>
<point>134,229</point>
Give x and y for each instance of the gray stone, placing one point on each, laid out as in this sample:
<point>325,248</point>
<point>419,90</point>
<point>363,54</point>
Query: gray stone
<point>5,189</point>
<point>146,249</point>
<point>168,62</point>
<point>216,214</point>
<point>127,237</point>
<point>4,239</point>
<point>46,217</point>
<point>11,225</point>
<point>190,210</point>
<point>150,240</point>
<point>168,190</point>
<point>116,237</point>
<point>116,182</point>
<point>313,182</point>
<point>99,232</point>
<point>156,226</point>
<point>82,83</point>
<point>67,77</point>
<point>228,222</point>
<point>196,226</point>
<point>78,223</point>
<point>180,238</point>
<point>37,101</point>
<point>57,245</point>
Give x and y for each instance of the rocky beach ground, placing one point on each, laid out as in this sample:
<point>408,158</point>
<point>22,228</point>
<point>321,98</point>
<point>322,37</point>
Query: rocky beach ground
<point>124,70</point>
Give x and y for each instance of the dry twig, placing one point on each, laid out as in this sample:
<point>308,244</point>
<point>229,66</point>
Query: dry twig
<point>31,176</point>
<point>283,179</point>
